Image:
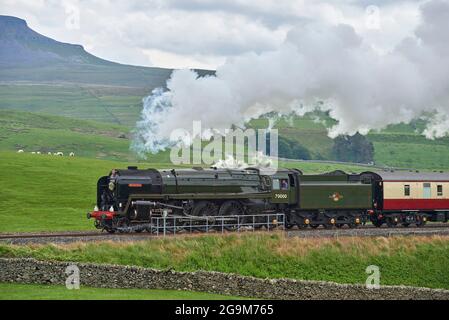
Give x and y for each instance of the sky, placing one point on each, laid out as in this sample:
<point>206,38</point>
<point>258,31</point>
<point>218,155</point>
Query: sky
<point>205,33</point>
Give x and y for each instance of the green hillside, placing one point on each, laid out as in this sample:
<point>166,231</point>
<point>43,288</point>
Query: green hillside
<point>116,75</point>
<point>119,105</point>
<point>33,132</point>
<point>399,145</point>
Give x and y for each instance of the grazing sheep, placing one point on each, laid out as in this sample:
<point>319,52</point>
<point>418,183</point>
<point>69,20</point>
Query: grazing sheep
<point>72,154</point>
<point>38,152</point>
<point>59,154</point>
<point>20,151</point>
<point>49,153</point>
<point>33,152</point>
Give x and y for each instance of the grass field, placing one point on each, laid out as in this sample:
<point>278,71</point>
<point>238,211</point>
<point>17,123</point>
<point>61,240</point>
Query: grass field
<point>40,132</point>
<point>49,193</point>
<point>43,192</point>
<point>414,261</point>
<point>15,291</point>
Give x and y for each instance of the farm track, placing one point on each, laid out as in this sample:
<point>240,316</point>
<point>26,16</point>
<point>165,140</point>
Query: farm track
<point>439,229</point>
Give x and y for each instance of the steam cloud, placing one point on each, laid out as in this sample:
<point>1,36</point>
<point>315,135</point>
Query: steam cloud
<point>318,66</point>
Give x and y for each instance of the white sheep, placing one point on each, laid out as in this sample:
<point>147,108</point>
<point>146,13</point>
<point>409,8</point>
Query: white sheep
<point>59,154</point>
<point>38,152</point>
<point>33,152</point>
<point>20,151</point>
<point>49,153</point>
<point>72,154</point>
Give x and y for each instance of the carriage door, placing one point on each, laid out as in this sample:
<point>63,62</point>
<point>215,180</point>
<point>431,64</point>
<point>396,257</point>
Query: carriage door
<point>427,191</point>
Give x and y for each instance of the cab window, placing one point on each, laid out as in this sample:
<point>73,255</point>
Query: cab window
<point>283,184</point>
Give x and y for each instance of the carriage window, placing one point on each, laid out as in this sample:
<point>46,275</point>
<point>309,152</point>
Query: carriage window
<point>439,190</point>
<point>407,190</point>
<point>275,184</point>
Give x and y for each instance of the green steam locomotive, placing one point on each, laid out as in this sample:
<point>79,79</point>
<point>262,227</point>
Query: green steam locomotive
<point>134,196</point>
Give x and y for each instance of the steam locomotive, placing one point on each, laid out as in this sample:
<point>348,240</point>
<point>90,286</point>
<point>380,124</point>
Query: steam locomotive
<point>132,196</point>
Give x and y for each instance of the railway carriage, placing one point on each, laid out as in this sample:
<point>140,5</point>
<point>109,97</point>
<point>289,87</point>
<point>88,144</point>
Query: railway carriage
<point>403,197</point>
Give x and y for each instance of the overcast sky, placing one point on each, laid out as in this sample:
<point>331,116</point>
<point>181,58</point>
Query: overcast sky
<point>204,33</point>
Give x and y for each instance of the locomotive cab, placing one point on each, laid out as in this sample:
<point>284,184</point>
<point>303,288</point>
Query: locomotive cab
<point>284,187</point>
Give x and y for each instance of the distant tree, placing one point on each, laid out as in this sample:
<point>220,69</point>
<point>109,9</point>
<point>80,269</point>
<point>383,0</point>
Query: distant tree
<point>356,148</point>
<point>291,149</point>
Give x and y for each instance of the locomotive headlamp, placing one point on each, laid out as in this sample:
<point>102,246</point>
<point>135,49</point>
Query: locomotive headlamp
<point>332,221</point>
<point>307,221</point>
<point>111,186</point>
<point>424,219</point>
<point>357,220</point>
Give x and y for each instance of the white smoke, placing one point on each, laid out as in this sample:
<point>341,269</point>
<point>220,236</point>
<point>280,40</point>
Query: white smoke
<point>259,160</point>
<point>325,67</point>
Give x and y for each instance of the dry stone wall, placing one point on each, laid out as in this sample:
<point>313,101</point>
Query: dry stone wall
<point>114,276</point>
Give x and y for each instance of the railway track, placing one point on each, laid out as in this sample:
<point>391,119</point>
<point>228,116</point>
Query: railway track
<point>366,231</point>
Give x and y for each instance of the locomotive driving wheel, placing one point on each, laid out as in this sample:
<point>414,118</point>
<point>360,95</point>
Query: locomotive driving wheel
<point>204,209</point>
<point>231,208</point>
